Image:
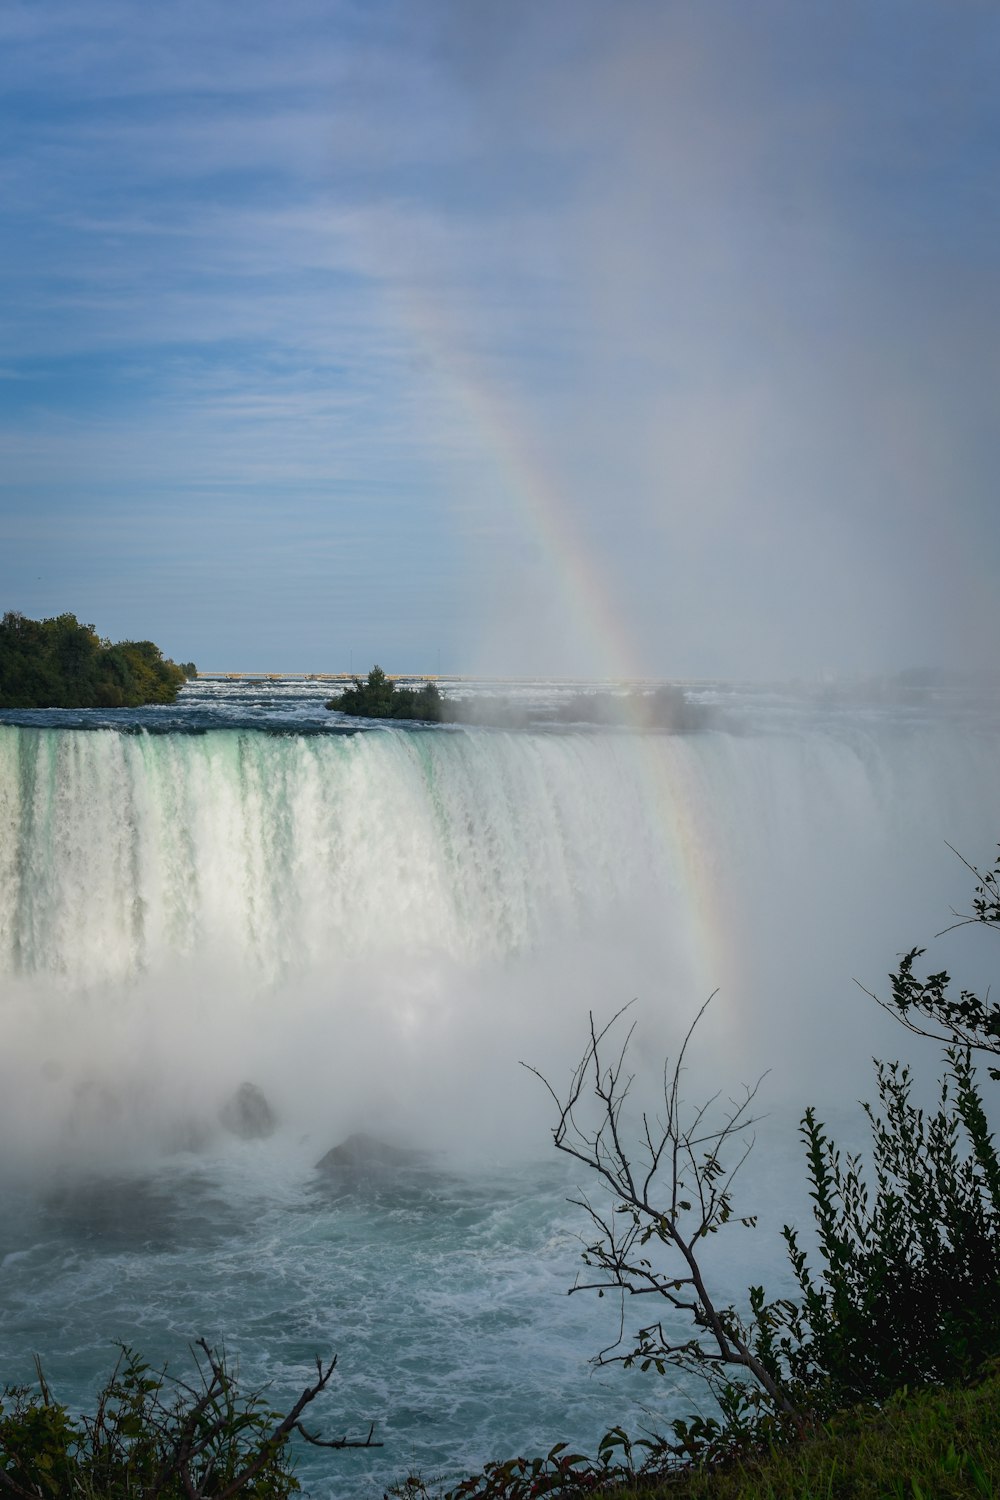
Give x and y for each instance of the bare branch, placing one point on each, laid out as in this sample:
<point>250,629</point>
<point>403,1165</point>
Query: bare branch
<point>681,1193</point>
<point>366,1442</point>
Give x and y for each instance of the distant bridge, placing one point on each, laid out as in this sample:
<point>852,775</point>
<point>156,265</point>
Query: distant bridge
<point>551,681</point>
<point>277,676</point>
<point>321,677</point>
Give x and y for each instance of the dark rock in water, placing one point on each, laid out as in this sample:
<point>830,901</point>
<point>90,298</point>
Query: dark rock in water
<point>363,1154</point>
<point>248,1114</point>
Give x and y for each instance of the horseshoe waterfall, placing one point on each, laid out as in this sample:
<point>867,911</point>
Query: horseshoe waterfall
<point>373,929</point>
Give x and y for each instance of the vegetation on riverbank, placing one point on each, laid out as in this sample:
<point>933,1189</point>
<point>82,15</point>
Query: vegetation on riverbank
<point>59,663</point>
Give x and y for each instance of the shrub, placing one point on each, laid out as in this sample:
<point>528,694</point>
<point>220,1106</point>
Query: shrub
<point>155,1436</point>
<point>908,1290</point>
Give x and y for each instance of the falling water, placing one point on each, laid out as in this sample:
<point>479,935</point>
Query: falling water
<point>374,928</point>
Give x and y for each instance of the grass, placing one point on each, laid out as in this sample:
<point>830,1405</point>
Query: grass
<point>928,1445</point>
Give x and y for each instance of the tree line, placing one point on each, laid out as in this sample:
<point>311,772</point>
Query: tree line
<point>61,663</point>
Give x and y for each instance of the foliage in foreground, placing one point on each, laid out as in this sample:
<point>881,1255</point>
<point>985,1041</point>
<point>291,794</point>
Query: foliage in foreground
<point>909,1288</point>
<point>60,663</point>
<point>156,1437</point>
<point>906,1289</point>
<point>928,1007</point>
<point>378,697</point>
<point>941,1443</point>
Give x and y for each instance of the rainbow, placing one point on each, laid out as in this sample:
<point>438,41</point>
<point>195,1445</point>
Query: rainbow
<point>546,515</point>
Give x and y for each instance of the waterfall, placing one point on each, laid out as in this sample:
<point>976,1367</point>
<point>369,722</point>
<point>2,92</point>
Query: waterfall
<point>374,929</point>
<point>121,850</point>
<point>177,910</point>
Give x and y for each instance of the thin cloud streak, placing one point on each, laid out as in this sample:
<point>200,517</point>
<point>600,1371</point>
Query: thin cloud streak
<point>731,275</point>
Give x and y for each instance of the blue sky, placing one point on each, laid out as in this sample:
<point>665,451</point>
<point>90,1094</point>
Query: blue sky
<point>558,336</point>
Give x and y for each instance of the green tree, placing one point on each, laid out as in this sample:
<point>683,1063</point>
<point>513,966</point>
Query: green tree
<point>59,663</point>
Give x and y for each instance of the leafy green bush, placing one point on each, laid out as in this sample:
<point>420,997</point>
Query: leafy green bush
<point>155,1436</point>
<point>908,1290</point>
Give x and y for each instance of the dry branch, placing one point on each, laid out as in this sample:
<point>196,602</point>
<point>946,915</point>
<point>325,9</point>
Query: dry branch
<point>670,1191</point>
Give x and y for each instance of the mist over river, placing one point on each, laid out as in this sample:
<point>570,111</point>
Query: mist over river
<point>374,924</point>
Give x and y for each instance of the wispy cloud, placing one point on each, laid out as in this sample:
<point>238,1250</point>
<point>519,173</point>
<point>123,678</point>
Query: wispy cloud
<point>730,272</point>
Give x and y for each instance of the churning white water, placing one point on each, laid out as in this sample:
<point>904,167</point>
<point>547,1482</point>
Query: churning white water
<point>374,928</point>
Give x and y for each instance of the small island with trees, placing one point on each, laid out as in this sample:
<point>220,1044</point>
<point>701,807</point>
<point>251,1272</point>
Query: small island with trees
<point>663,707</point>
<point>59,663</point>
<point>378,697</point>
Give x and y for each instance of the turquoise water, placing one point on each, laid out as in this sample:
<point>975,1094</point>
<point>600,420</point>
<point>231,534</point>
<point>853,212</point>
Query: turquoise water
<point>376,928</point>
<point>443,1297</point>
